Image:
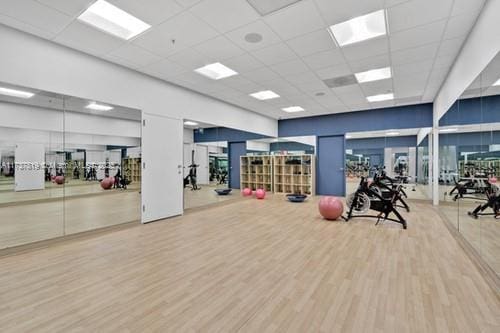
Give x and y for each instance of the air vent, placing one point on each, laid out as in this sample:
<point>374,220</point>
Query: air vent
<point>340,81</point>
<point>266,7</point>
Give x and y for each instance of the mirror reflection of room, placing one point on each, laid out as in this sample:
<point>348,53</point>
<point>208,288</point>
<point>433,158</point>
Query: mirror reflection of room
<point>74,166</point>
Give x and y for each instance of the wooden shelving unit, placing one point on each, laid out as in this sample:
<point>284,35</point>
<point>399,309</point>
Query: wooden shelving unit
<point>256,172</point>
<point>132,169</point>
<point>294,174</point>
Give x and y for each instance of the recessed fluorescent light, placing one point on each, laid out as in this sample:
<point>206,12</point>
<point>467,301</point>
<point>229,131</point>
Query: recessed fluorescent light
<point>266,94</point>
<point>380,98</point>
<point>216,71</point>
<point>16,93</point>
<point>111,19</point>
<point>99,107</point>
<point>360,28</point>
<point>293,109</point>
<point>497,83</point>
<point>448,130</point>
<point>392,133</point>
<point>348,136</point>
<point>374,75</point>
<point>190,123</point>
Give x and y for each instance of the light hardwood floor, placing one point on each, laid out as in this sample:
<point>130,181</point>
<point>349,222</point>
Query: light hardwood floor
<point>252,266</point>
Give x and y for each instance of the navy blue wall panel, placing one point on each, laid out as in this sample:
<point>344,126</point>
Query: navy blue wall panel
<point>224,134</point>
<point>413,116</point>
<point>473,111</point>
<point>236,149</point>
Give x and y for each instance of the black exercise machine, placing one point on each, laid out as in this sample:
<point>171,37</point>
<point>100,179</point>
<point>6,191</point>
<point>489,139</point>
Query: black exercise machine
<point>492,201</point>
<point>191,177</point>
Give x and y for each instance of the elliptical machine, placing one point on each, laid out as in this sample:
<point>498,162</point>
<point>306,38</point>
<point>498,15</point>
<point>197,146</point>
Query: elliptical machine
<point>191,177</point>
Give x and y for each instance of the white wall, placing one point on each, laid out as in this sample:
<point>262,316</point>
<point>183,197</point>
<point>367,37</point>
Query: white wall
<point>188,135</point>
<point>29,178</point>
<point>258,146</point>
<point>37,63</point>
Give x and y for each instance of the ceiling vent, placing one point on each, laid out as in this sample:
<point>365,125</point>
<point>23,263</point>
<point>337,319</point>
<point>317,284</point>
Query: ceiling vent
<point>340,81</point>
<point>266,7</point>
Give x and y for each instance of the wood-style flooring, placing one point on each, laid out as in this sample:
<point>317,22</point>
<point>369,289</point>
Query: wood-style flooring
<point>252,266</point>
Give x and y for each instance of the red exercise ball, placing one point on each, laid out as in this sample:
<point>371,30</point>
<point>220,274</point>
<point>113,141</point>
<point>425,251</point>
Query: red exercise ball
<point>246,192</point>
<point>331,208</point>
<point>106,183</point>
<point>59,180</point>
<point>260,194</point>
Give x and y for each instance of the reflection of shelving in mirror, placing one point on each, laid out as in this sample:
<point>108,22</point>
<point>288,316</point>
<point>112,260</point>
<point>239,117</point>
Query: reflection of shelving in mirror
<point>132,169</point>
<point>256,172</point>
<point>294,174</point>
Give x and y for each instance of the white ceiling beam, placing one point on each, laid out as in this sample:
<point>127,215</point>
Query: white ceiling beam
<point>481,46</point>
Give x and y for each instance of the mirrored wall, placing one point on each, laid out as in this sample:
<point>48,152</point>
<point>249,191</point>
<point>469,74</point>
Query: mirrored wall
<point>68,165</point>
<point>469,144</point>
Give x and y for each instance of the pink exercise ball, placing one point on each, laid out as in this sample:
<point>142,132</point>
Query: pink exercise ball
<point>112,179</point>
<point>331,208</point>
<point>106,183</point>
<point>247,192</point>
<point>492,180</point>
<point>59,180</point>
<point>260,194</point>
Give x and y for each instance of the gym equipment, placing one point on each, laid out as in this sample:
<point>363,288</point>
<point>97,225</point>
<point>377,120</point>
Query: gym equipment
<point>191,177</point>
<point>260,194</point>
<point>387,187</point>
<point>477,183</point>
<point>296,197</point>
<point>223,191</point>
<point>492,201</point>
<point>331,208</point>
<point>369,196</point>
<point>107,183</point>
<point>246,192</point>
<point>59,180</point>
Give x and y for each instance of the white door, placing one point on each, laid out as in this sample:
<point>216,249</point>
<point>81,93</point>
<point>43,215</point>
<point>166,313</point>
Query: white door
<point>201,155</point>
<point>162,188</point>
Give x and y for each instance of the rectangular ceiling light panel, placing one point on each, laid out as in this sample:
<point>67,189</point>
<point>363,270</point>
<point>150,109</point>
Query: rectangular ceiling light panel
<point>266,7</point>
<point>111,19</point>
<point>497,83</point>
<point>374,75</point>
<point>264,95</point>
<point>190,123</point>
<point>291,109</point>
<point>360,28</point>
<point>16,93</point>
<point>99,107</point>
<point>216,71</point>
<point>380,98</point>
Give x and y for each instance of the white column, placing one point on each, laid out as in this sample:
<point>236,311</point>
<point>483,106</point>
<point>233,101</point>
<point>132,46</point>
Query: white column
<point>430,162</point>
<point>29,159</point>
<point>435,163</point>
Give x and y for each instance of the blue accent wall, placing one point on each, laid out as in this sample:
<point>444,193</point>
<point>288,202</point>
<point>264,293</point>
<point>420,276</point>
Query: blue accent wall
<point>468,111</point>
<point>224,134</point>
<point>412,116</point>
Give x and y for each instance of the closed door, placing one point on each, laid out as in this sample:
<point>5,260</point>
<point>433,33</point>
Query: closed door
<point>162,187</point>
<point>236,150</point>
<point>331,162</point>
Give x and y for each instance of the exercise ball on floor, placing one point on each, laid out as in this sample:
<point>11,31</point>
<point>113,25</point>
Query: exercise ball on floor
<point>492,180</point>
<point>331,208</point>
<point>59,180</point>
<point>260,193</point>
<point>246,192</point>
<point>106,183</point>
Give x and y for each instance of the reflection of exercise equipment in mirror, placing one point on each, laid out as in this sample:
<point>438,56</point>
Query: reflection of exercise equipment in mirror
<point>475,183</point>
<point>492,201</point>
<point>191,177</point>
<point>369,195</point>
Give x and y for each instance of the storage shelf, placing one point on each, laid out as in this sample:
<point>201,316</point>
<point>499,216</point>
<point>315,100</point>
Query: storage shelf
<point>132,169</point>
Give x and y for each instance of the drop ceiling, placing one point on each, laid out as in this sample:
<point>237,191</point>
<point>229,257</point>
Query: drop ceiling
<point>294,57</point>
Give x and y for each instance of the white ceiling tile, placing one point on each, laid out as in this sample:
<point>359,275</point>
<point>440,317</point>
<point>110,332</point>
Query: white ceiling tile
<point>383,104</point>
<point>305,77</point>
<point>296,20</point>
<point>460,25</point>
<point>377,87</point>
<point>336,11</point>
<point>244,63</point>
<point>450,47</point>
<point>261,74</point>
<point>334,71</point>
<point>87,39</point>
<point>311,86</point>
<point>36,14</point>
<point>152,12</point>
<point>69,7</point>
<point>367,49</point>
<point>324,59</point>
<point>258,27</point>
<point>417,12</point>
<point>413,68</point>
<point>467,6</point>
<point>410,85</point>
<point>295,66</point>
<point>225,15</point>
<point>26,27</point>
<point>164,69</point>
<point>135,55</point>
<point>191,59</point>
<point>417,36</point>
<point>274,54</point>
<point>350,94</point>
<point>392,3</point>
<point>365,64</point>
<point>219,48</point>
<point>313,42</point>
<point>241,83</point>
<point>187,3</point>
<point>415,54</point>
<point>150,41</point>
<point>120,61</point>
